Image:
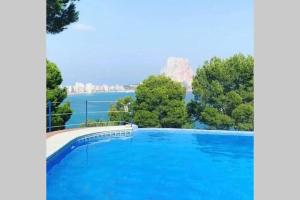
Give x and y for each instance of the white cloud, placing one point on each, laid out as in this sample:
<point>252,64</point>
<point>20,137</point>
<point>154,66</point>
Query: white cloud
<point>83,27</point>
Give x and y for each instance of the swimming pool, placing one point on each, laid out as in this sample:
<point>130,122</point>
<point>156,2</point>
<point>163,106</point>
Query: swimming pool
<point>156,164</point>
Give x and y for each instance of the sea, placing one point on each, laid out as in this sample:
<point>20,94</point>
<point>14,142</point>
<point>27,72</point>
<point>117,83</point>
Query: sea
<point>97,105</point>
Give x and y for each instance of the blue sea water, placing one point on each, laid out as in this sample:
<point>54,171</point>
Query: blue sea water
<point>156,164</point>
<point>78,106</point>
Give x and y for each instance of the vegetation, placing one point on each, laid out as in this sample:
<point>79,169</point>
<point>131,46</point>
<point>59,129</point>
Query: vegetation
<point>61,113</point>
<point>159,103</point>
<point>223,93</point>
<point>222,88</point>
<point>99,123</point>
<point>121,110</point>
<point>60,13</point>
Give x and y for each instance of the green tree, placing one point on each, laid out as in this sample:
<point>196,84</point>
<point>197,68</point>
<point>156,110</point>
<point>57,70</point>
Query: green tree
<point>61,112</point>
<point>145,118</point>
<point>160,103</point>
<point>243,116</point>
<point>122,110</point>
<point>60,13</point>
<point>214,118</point>
<point>223,92</point>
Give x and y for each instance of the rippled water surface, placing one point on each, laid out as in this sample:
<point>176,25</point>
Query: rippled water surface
<point>156,164</point>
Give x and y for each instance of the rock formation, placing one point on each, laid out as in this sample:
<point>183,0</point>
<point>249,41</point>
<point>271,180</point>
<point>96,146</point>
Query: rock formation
<point>179,69</point>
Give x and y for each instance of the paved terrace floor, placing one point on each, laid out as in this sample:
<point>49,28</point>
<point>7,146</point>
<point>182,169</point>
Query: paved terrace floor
<point>58,139</point>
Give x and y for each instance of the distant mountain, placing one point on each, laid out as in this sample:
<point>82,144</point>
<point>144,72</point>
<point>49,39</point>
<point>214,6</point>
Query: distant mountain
<point>179,69</point>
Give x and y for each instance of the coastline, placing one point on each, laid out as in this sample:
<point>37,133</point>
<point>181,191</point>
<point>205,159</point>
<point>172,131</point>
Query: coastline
<point>103,92</point>
<point>86,93</point>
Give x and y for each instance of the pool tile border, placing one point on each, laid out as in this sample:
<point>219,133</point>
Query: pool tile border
<point>58,141</point>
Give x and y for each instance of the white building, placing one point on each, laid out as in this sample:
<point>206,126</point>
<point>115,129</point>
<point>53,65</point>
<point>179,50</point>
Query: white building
<point>79,87</point>
<point>105,88</point>
<point>70,89</point>
<point>90,88</point>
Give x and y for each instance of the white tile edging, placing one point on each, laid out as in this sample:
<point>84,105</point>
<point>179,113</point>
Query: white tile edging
<point>57,141</point>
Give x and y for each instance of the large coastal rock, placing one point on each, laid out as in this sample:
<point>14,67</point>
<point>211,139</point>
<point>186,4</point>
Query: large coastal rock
<point>179,69</point>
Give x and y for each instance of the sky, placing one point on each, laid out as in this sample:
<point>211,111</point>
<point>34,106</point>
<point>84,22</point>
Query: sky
<point>123,42</point>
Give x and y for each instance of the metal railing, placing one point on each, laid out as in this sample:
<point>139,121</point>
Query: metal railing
<point>86,122</point>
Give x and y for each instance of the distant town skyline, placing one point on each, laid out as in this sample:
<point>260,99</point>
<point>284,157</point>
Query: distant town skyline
<point>79,88</point>
<point>123,42</point>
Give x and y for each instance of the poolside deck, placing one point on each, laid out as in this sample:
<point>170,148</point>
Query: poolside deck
<point>58,139</point>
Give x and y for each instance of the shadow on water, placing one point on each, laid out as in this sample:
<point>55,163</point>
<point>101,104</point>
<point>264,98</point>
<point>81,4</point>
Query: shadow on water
<point>235,147</point>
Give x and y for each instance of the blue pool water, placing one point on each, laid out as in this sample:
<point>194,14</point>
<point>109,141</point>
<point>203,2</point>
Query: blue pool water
<point>156,164</point>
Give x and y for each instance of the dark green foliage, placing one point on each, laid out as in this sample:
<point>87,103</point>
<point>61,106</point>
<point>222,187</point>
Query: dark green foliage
<point>220,88</point>
<point>232,100</point>
<point>58,121</point>
<point>144,118</point>
<point>61,112</point>
<point>243,115</point>
<point>160,103</point>
<point>117,111</point>
<point>53,76</point>
<point>173,114</point>
<point>60,13</point>
<point>214,118</point>
<point>99,123</point>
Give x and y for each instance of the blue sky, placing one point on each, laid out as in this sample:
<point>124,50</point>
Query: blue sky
<point>123,42</point>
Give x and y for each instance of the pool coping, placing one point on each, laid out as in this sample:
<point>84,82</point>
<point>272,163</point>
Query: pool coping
<point>203,131</point>
<point>58,140</point>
